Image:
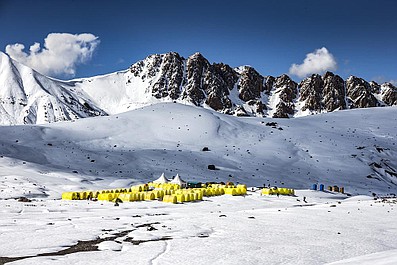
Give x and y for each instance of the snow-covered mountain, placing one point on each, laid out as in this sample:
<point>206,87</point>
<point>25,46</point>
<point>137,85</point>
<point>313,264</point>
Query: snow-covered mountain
<point>27,97</point>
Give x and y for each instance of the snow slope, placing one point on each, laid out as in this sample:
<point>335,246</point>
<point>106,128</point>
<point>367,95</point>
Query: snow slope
<point>355,149</point>
<point>27,97</point>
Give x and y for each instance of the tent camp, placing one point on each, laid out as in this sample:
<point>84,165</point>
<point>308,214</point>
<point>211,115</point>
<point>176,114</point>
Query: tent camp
<point>161,179</point>
<point>178,180</point>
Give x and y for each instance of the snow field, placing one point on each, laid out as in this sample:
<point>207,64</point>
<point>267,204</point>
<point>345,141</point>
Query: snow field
<point>250,230</point>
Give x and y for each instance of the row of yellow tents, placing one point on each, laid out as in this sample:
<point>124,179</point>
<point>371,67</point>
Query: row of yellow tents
<point>165,192</point>
<point>277,191</point>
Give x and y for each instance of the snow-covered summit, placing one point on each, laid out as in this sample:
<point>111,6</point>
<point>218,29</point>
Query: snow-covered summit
<point>27,97</point>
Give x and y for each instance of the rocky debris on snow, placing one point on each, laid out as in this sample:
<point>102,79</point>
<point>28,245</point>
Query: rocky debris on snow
<point>212,167</point>
<point>272,124</point>
<point>24,199</point>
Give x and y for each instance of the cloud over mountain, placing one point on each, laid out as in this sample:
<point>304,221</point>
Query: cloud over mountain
<point>61,54</point>
<point>319,61</point>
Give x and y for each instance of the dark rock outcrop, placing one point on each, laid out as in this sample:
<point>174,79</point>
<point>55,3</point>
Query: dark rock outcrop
<point>311,92</point>
<point>170,82</point>
<point>323,93</point>
<point>287,92</point>
<point>219,81</point>
<point>269,84</point>
<point>210,84</point>
<point>359,93</point>
<point>250,84</point>
<point>334,93</point>
<point>196,68</point>
<point>375,87</point>
<point>389,94</point>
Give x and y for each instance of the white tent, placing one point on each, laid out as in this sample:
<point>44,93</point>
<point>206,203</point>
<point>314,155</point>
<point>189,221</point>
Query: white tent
<point>178,180</point>
<point>161,179</point>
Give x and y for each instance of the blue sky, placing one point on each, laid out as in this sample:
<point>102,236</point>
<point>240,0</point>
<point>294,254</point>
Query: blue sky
<point>268,35</point>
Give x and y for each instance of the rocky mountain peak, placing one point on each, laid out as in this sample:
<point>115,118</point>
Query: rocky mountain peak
<point>360,93</point>
<point>250,84</point>
<point>311,90</point>
<point>389,94</point>
<point>285,89</point>
<point>28,97</point>
<point>334,93</point>
<point>322,93</point>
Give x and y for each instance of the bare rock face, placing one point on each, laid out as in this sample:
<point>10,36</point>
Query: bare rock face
<point>169,68</point>
<point>269,84</point>
<point>389,94</point>
<point>284,110</point>
<point>287,90</point>
<point>323,93</point>
<point>311,92</point>
<point>209,84</point>
<point>259,106</point>
<point>196,69</point>
<point>359,93</point>
<point>240,111</point>
<point>334,93</point>
<point>219,80</point>
<point>227,74</point>
<point>375,87</point>
<point>250,85</point>
<point>170,82</point>
<point>201,82</point>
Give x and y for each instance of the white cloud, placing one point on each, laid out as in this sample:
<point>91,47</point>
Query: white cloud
<point>382,79</point>
<point>319,61</point>
<point>61,54</point>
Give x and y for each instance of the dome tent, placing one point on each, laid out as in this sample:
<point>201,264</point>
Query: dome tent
<point>178,180</point>
<point>161,179</point>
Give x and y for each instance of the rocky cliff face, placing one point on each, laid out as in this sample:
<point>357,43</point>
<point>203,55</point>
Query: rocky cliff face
<point>360,94</point>
<point>389,94</point>
<point>334,93</point>
<point>322,93</point>
<point>28,97</point>
<point>168,67</point>
<point>208,83</point>
<point>285,93</point>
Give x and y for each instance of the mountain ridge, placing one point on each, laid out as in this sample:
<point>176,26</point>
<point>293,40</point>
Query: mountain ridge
<point>27,97</point>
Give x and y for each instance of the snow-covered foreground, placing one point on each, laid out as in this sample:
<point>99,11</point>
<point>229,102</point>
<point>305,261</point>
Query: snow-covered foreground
<point>219,230</point>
